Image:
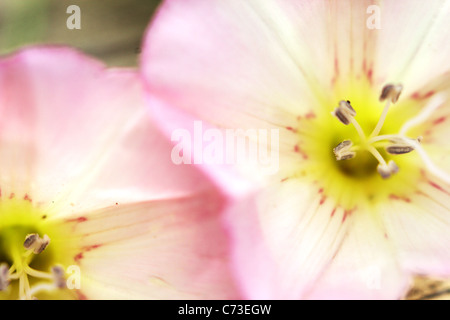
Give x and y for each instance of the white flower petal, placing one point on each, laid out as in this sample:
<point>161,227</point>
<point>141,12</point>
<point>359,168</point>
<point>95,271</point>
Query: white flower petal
<point>366,265</point>
<point>301,231</point>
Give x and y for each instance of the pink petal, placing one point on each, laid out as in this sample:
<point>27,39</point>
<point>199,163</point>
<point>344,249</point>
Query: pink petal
<point>260,65</point>
<point>78,135</point>
<point>233,80</point>
<point>264,61</point>
<point>161,249</point>
<point>77,140</point>
<point>221,61</point>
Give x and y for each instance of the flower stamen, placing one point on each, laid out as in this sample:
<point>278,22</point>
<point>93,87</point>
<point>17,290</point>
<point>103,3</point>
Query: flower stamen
<point>35,244</point>
<point>21,270</point>
<point>360,131</point>
<point>391,93</point>
<point>396,144</point>
<point>344,112</point>
<point>399,149</point>
<point>4,276</point>
<point>343,150</point>
<point>377,155</point>
<point>387,170</point>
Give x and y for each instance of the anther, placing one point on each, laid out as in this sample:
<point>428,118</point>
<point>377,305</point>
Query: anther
<point>399,149</point>
<point>346,104</point>
<point>342,150</point>
<point>393,167</point>
<point>4,276</point>
<point>392,92</point>
<point>30,240</point>
<point>386,170</point>
<point>402,145</point>
<point>58,277</point>
<point>35,243</point>
<point>344,112</point>
<point>44,243</point>
<point>343,145</point>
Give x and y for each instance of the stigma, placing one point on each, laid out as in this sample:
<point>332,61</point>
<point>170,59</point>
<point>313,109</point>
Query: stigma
<point>20,270</point>
<point>393,144</point>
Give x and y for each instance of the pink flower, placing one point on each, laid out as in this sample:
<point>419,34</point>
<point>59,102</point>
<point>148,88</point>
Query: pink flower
<point>356,223</point>
<point>91,205</point>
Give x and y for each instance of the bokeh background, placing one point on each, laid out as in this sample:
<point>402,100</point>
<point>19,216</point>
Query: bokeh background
<point>112,30</point>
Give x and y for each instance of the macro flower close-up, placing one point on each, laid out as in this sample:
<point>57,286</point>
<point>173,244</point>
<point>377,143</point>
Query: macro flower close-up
<point>359,92</point>
<point>91,206</point>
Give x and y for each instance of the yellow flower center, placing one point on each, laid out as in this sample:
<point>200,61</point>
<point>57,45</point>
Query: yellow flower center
<point>360,154</point>
<point>34,253</point>
<point>394,144</point>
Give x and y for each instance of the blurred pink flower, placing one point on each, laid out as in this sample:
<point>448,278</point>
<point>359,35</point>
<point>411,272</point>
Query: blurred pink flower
<point>320,228</point>
<point>81,164</point>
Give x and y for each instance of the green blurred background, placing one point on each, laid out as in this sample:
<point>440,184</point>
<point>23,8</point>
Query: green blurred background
<point>111,30</point>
